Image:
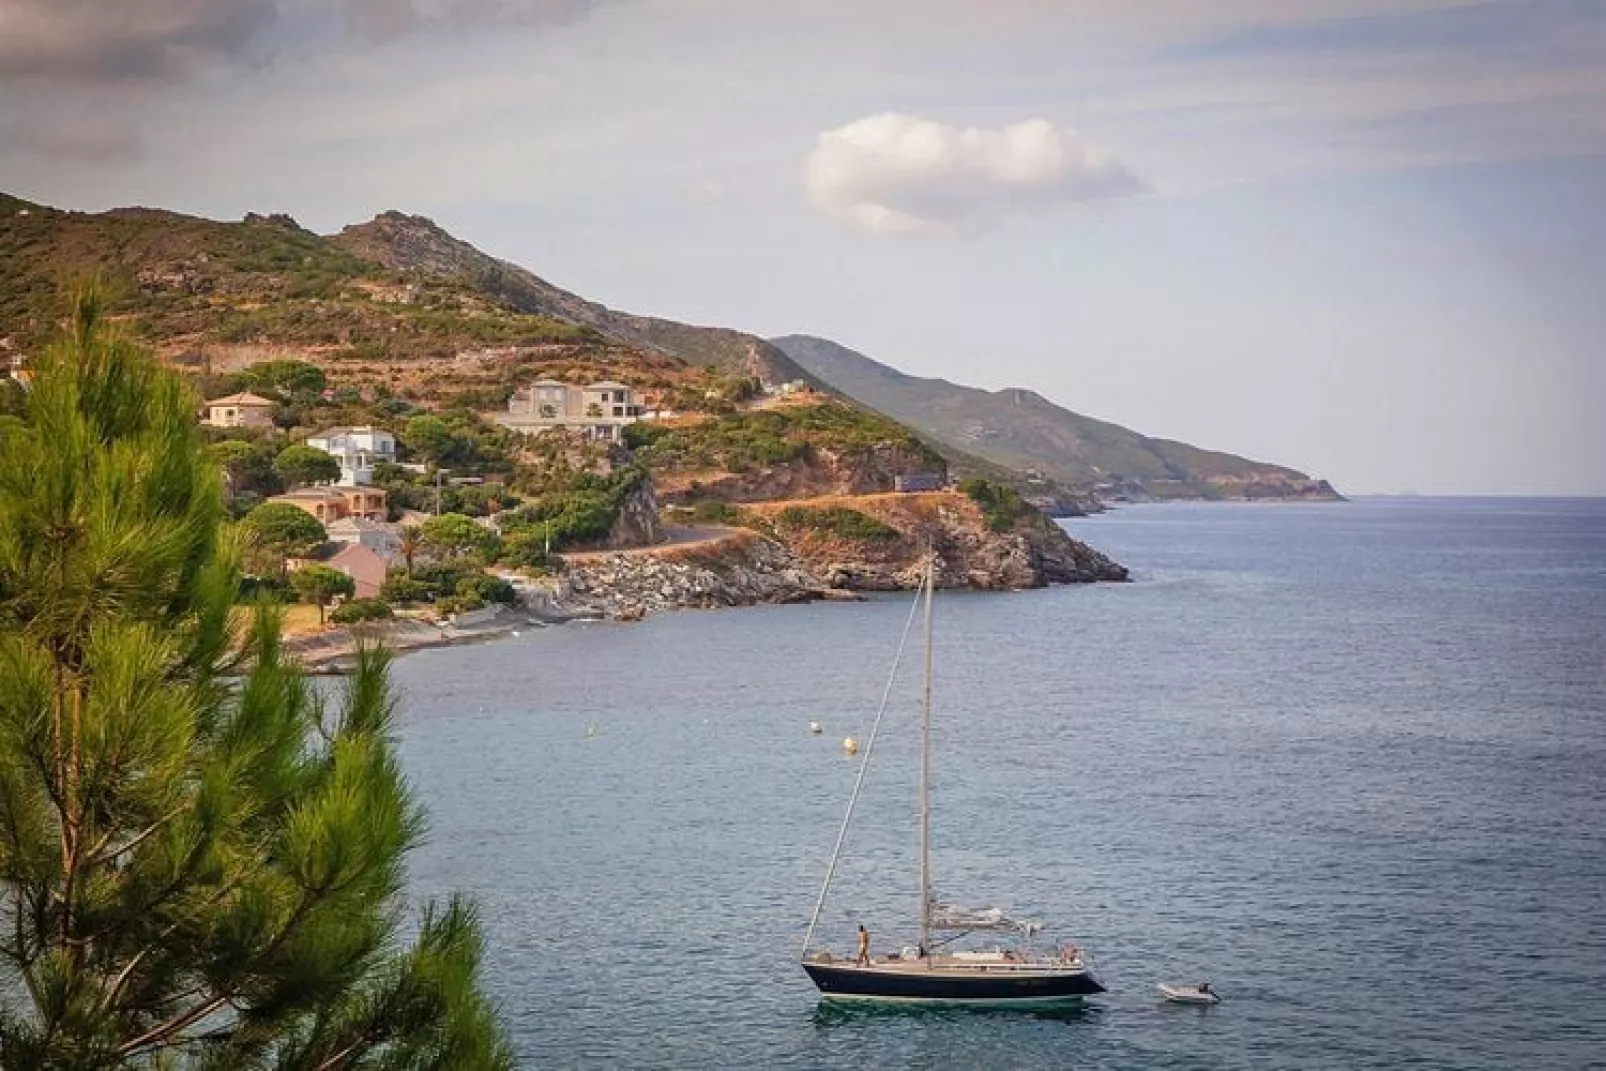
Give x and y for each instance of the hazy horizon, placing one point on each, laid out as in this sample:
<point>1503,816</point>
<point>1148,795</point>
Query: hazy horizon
<point>1364,239</point>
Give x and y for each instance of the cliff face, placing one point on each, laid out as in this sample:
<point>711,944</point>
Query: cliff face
<point>823,471</point>
<point>887,554</point>
<point>795,554</point>
<point>637,524</point>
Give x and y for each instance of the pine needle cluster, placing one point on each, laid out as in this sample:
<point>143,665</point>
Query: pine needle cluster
<point>201,861</point>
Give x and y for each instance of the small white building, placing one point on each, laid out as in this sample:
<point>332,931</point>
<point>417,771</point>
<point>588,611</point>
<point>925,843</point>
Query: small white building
<point>358,450</point>
<point>597,410</point>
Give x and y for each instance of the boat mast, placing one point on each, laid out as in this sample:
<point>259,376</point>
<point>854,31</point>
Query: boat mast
<point>925,772</point>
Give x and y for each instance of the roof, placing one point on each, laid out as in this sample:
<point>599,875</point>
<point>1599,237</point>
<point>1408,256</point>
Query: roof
<point>607,384</point>
<point>331,551</point>
<point>329,493</point>
<point>246,398</point>
<point>549,383</point>
<point>360,524</point>
<point>360,429</point>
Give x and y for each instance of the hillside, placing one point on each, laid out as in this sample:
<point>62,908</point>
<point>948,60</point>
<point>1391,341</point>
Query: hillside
<point>396,289</point>
<point>415,244</point>
<point>1021,430</point>
<point>396,323</point>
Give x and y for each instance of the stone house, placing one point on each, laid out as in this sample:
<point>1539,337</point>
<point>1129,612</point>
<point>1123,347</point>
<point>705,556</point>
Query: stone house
<point>357,449</point>
<point>245,410</point>
<point>330,504</point>
<point>598,410</point>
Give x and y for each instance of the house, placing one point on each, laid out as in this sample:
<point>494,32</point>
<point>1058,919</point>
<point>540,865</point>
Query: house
<point>357,449</point>
<point>383,539</point>
<point>330,504</point>
<point>366,568</point>
<point>919,481</point>
<point>239,411</point>
<point>19,369</point>
<point>598,410</point>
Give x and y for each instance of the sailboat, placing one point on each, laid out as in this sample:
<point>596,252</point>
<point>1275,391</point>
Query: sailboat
<point>932,970</point>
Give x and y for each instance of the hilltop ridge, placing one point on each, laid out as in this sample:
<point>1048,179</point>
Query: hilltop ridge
<point>1019,429</point>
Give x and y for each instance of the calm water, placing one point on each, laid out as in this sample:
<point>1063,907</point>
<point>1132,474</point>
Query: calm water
<point>1347,762</point>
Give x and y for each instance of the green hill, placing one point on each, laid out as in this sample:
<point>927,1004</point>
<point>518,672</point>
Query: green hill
<point>1021,430</point>
<point>395,288</point>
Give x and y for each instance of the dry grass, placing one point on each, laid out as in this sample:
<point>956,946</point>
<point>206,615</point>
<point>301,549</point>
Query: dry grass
<point>886,506</point>
<point>300,619</point>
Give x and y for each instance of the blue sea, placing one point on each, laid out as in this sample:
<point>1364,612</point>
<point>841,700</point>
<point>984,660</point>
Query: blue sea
<point>1347,762</point>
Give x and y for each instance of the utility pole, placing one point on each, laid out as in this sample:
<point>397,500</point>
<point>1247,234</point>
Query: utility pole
<point>438,492</point>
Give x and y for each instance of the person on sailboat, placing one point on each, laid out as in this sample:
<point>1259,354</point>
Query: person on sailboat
<point>864,947</point>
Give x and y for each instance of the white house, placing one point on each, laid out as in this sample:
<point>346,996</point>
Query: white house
<point>597,410</point>
<point>358,450</point>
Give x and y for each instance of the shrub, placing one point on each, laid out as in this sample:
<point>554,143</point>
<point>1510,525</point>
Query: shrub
<point>839,521</point>
<point>402,588</point>
<point>1001,506</point>
<point>348,613</point>
<point>713,512</point>
<point>484,588</point>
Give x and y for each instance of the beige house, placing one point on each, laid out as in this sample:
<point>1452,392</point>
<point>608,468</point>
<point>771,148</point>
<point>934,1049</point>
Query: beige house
<point>598,410</point>
<point>239,411</point>
<point>331,504</point>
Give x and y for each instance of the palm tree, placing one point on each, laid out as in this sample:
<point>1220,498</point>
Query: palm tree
<point>411,541</point>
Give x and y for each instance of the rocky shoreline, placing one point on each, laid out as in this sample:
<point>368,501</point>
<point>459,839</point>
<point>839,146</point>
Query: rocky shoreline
<point>728,567</point>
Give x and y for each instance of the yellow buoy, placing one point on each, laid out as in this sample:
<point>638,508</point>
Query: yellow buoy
<point>850,744</point>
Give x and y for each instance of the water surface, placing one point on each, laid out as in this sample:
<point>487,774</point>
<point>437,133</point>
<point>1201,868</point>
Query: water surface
<point>1347,762</point>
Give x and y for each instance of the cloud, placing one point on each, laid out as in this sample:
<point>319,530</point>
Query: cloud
<point>130,40</point>
<point>158,42</point>
<point>900,174</point>
<point>385,20</point>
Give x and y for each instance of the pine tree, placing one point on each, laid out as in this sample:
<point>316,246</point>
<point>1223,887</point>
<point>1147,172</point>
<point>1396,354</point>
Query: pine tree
<point>201,865</point>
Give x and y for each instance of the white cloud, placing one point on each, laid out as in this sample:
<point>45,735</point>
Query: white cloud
<point>900,174</point>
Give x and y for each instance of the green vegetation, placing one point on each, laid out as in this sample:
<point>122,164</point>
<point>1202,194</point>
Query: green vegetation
<point>299,465</point>
<point>355,611</point>
<point>283,531</point>
<point>197,870</point>
<point>837,521</point>
<point>579,510</point>
<point>745,441</point>
<point>284,378</point>
<point>1003,507</point>
<point>246,457</point>
<point>715,512</point>
<point>318,584</point>
<point>452,536</point>
<point>450,586</point>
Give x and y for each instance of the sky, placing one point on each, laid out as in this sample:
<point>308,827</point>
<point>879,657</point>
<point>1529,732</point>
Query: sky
<point>1365,238</point>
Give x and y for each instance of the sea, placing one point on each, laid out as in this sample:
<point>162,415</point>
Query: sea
<point>1347,762</point>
